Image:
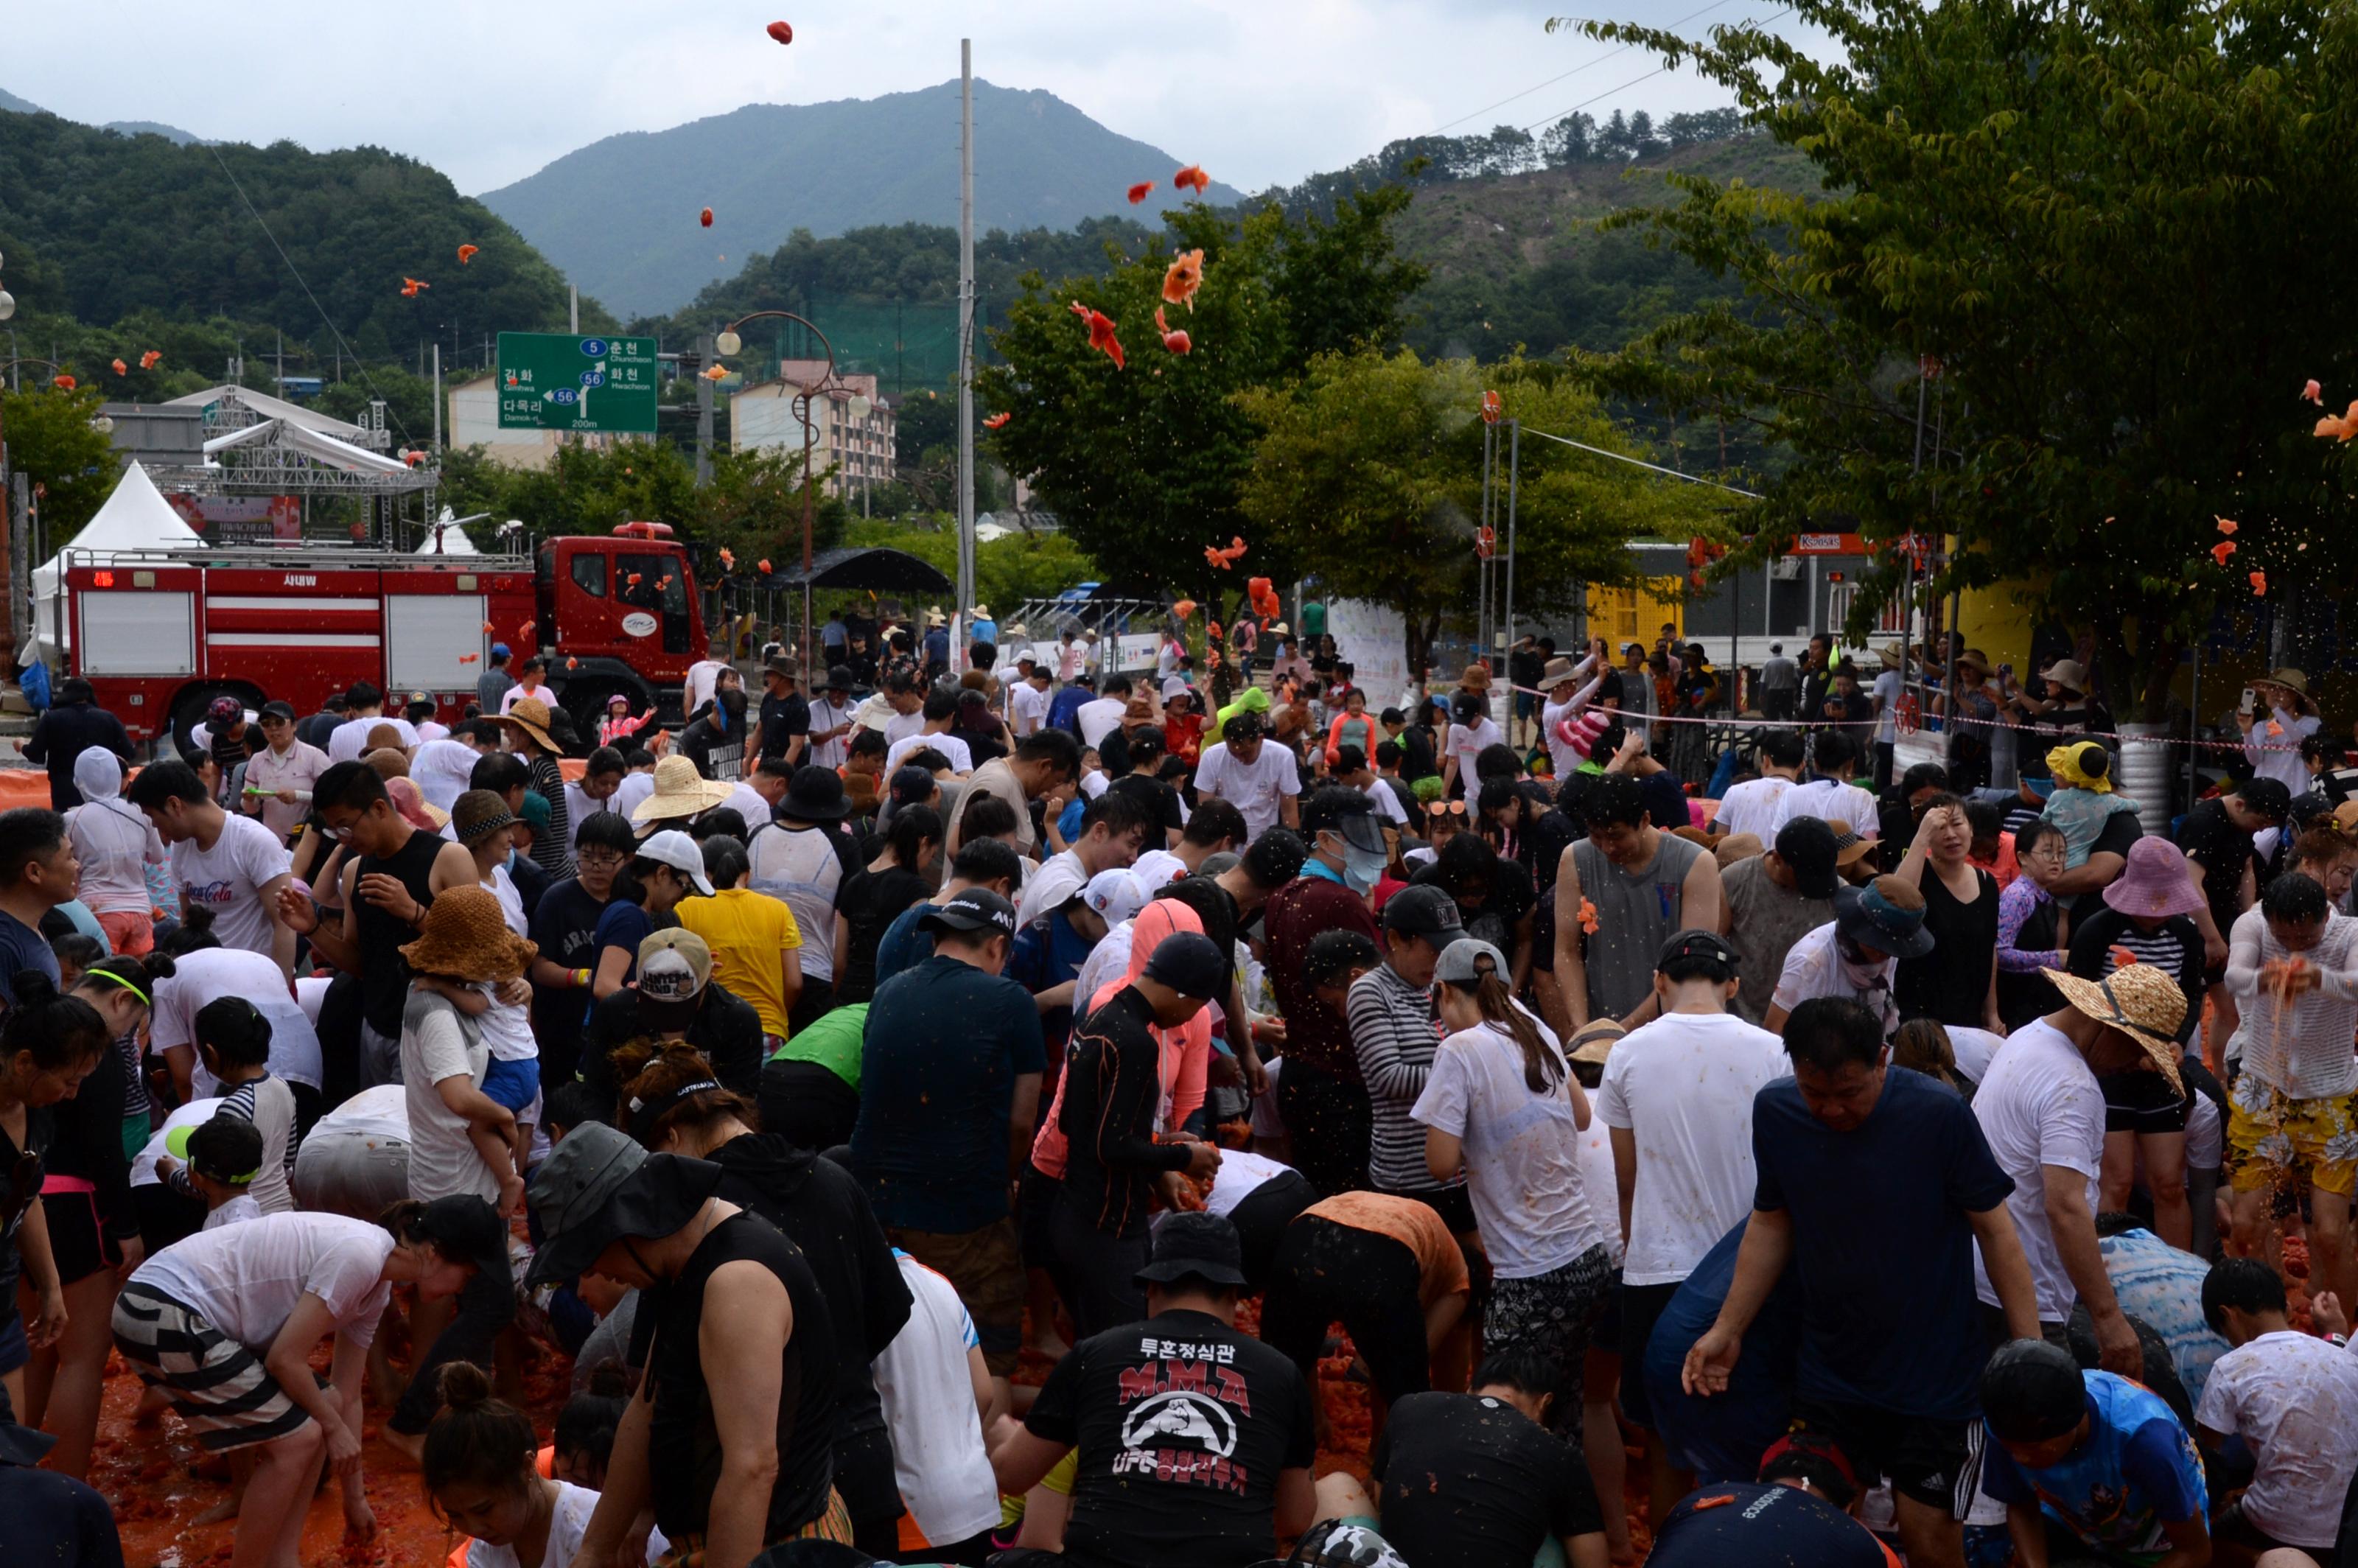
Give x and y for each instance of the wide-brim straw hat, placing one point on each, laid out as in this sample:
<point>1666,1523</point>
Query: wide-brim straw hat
<point>1889,655</point>
<point>531,716</point>
<point>2294,681</point>
<point>1557,671</point>
<point>465,937</point>
<point>2142,1001</point>
<point>2069,674</point>
<point>680,791</point>
<point>1849,847</point>
<point>1595,1042</point>
<point>1476,678</point>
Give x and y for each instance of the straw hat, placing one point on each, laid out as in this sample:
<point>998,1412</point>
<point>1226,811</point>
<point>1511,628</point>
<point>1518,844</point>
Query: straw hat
<point>934,617</point>
<point>2294,681</point>
<point>680,791</point>
<point>2142,1001</point>
<point>465,936</point>
<point>1849,847</point>
<point>531,716</point>
<point>1476,678</point>
<point>1889,655</point>
<point>1595,1042</point>
<point>478,812</point>
<point>1558,673</point>
<point>2068,674</point>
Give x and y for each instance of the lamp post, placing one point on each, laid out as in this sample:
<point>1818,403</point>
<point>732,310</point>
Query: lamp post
<point>730,343</point>
<point>11,520</point>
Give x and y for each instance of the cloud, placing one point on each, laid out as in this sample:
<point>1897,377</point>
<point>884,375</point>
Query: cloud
<point>1259,93</point>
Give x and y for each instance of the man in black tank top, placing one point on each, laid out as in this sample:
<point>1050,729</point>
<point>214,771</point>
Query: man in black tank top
<point>720,1283</point>
<point>392,871</point>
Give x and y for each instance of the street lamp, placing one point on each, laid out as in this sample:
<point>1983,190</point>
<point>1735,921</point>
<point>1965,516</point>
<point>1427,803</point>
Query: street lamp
<point>729,343</point>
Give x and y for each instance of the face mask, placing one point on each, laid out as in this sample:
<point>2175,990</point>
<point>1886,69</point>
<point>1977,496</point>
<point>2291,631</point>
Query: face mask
<point>1362,869</point>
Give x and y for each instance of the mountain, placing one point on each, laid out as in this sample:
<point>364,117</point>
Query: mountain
<point>15,105</point>
<point>618,216</point>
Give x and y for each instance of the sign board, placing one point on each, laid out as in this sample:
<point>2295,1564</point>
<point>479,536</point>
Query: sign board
<point>556,380</point>
<point>242,519</point>
<point>1136,651</point>
<point>1828,545</point>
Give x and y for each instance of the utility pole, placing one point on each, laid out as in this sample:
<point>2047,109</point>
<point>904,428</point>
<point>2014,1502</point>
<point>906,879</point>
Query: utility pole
<point>437,399</point>
<point>706,355</point>
<point>966,330</point>
<point>1514,479</point>
<point>279,354</point>
<point>573,293</point>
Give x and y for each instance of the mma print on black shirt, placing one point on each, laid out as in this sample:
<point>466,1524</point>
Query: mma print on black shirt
<point>1182,1425</point>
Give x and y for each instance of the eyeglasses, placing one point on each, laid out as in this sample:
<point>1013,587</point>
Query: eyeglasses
<point>599,861</point>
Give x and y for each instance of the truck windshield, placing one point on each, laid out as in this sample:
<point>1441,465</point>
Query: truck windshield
<point>658,583</point>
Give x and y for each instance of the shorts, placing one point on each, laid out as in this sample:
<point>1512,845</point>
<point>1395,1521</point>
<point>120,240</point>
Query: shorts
<point>1328,1272</point>
<point>351,1172</point>
<point>1641,1307</point>
<point>2144,1102</point>
<point>1937,1463</point>
<point>1555,1313</point>
<point>1606,1335</point>
<point>2272,1138</point>
<point>218,1386</point>
<point>1454,1204</point>
<point>1261,1219</point>
<point>129,934</point>
<point>514,1085</point>
<point>986,1268</point>
<point>1035,1217</point>
<point>77,1240</point>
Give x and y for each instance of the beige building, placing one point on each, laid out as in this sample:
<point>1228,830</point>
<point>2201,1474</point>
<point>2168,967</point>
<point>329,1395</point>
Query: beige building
<point>473,417</point>
<point>851,425</point>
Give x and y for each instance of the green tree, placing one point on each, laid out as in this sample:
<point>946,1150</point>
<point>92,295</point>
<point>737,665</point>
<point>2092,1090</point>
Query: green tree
<point>1372,473</point>
<point>1142,465</point>
<point>2110,228</point>
<point>51,441</point>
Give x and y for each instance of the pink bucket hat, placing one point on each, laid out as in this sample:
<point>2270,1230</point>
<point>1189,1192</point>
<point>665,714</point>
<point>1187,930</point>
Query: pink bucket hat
<point>1581,733</point>
<point>2154,882</point>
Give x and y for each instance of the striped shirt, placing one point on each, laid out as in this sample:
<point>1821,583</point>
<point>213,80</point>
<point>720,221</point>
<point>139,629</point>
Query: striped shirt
<point>1394,1036</point>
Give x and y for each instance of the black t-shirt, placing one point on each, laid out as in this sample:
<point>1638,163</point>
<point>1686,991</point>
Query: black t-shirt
<point>1160,801</point>
<point>1748,1525</point>
<point>1472,1482</point>
<point>1512,896</point>
<point>56,1520</point>
<point>782,718</point>
<point>565,926</point>
<point>384,975</point>
<point>2222,850</point>
<point>1182,1425</point>
<point>2059,726</point>
<point>870,901</point>
<point>1419,750</point>
<point>718,753</point>
<point>726,1032</point>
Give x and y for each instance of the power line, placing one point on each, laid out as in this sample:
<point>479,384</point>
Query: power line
<point>359,364</point>
<point>1575,71</point>
<point>1635,80</point>
<point>1623,457</point>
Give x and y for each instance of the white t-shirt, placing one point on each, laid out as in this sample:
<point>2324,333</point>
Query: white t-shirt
<point>2293,1399</point>
<point>2039,1106</point>
<point>435,1045</point>
<point>1255,791</point>
<point>1683,1087</point>
<point>1029,706</point>
<point>901,726</point>
<point>1973,1048</point>
<point>1243,1174</point>
<point>1058,878</point>
<point>1468,742</point>
<point>507,1030</point>
<point>1596,1176</point>
<point>237,1211</point>
<point>947,744</point>
<point>347,741</point>
<point>801,866</point>
<point>580,808</point>
<point>1814,966</point>
<point>1567,761</point>
<point>1522,1152</point>
<point>699,683</point>
<point>380,1112</point>
<point>1388,805</point>
<point>938,1455</point>
<point>196,1113</point>
<point>1096,716</point>
<point>228,879</point>
<point>213,972</point>
<point>635,788</point>
<point>1751,807</point>
<point>747,802</point>
<point>1830,800</point>
<point>827,715</point>
<point>1887,693</point>
<point>2206,1136</point>
<point>442,768</point>
<point>569,1521</point>
<point>247,1280</point>
<point>115,843</point>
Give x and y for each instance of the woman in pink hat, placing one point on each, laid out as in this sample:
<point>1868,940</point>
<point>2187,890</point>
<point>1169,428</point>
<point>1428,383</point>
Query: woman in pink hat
<point>2146,918</point>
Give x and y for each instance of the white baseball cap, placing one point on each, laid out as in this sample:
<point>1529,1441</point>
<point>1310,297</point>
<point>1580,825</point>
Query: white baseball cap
<point>674,849</point>
<point>1115,895</point>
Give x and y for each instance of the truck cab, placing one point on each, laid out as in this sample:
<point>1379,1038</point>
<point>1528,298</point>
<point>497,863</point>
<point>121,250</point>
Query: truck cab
<point>623,613</point>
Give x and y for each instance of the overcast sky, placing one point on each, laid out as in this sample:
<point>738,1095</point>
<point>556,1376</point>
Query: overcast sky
<point>1259,91</point>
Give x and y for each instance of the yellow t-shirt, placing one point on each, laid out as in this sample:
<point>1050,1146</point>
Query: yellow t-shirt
<point>749,933</point>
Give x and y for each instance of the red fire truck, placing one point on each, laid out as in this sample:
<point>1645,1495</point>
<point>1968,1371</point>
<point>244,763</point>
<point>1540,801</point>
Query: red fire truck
<point>160,633</point>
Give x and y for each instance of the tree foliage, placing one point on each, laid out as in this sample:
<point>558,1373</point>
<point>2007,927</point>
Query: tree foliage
<point>1142,465</point>
<point>51,441</point>
<point>1370,470</point>
<point>2110,228</point>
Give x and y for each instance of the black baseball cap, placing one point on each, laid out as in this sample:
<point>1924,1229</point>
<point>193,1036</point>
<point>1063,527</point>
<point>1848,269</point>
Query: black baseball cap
<point>839,678</point>
<point>1808,849</point>
<point>1188,962</point>
<point>977,909</point>
<point>1191,1245</point>
<point>1422,910</point>
<point>279,710</point>
<point>1697,943</point>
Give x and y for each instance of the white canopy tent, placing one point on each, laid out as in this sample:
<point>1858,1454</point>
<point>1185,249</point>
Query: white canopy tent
<point>134,518</point>
<point>257,406</point>
<point>286,435</point>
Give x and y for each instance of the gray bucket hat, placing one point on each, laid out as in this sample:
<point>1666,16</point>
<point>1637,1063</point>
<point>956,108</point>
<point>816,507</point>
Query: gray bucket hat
<point>598,1186</point>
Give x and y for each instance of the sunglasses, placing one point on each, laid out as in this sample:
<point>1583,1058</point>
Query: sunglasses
<point>1445,808</point>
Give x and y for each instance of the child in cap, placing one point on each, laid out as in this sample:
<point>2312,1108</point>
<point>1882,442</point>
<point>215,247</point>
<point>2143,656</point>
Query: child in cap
<point>222,1157</point>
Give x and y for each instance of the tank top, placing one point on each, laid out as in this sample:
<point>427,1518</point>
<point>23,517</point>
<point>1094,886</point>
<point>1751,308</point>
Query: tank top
<point>1637,911</point>
<point>684,1443</point>
<point>385,981</point>
<point>1952,981</point>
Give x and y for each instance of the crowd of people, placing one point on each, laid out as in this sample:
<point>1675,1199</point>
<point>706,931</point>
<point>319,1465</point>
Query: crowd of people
<point>1896,1166</point>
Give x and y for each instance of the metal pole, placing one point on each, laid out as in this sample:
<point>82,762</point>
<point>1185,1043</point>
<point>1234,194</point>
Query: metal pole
<point>803,399</point>
<point>1514,476</point>
<point>705,355</point>
<point>1482,564</point>
<point>966,330</point>
<point>573,310</point>
<point>438,398</point>
<point>2194,723</point>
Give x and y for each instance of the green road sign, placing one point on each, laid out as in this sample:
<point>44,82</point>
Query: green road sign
<point>556,381</point>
